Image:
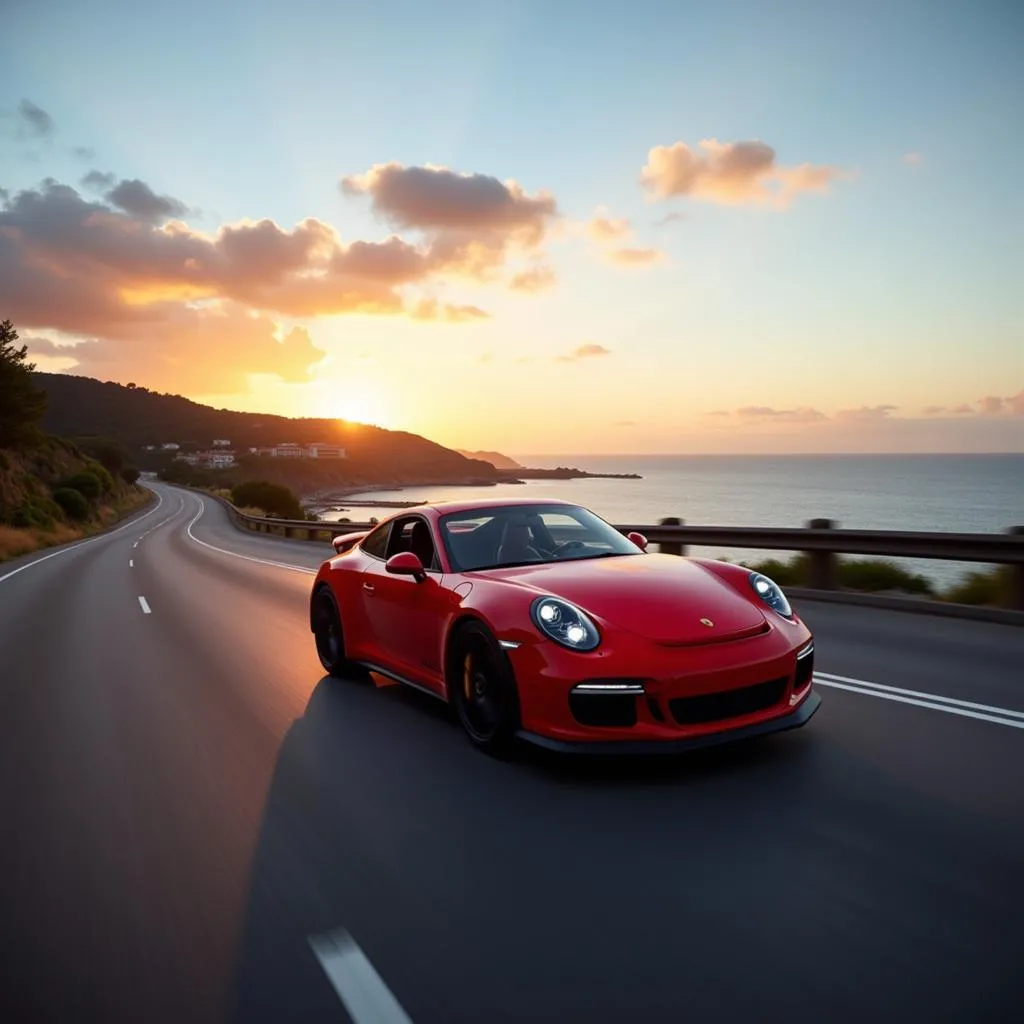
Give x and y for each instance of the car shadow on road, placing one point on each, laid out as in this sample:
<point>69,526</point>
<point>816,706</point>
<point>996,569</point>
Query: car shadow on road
<point>382,818</point>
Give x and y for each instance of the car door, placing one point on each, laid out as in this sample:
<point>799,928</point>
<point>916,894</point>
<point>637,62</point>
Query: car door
<point>404,614</point>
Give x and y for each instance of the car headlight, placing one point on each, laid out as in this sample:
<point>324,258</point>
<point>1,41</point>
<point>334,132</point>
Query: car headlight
<point>565,624</point>
<point>771,593</point>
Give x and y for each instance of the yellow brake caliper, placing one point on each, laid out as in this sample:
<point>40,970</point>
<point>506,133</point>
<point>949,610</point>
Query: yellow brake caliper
<point>467,676</point>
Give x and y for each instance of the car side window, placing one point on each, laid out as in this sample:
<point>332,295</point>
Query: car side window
<point>376,542</point>
<point>414,534</point>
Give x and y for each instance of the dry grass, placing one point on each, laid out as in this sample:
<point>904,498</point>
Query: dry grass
<point>15,542</point>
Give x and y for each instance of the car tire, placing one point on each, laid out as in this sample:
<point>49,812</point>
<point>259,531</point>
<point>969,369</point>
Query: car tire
<point>482,687</point>
<point>328,633</point>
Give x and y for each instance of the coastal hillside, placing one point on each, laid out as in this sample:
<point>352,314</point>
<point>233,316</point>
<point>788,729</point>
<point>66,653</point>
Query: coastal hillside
<point>138,417</point>
<point>496,459</point>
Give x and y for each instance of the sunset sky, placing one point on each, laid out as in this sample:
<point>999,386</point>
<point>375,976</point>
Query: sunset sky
<point>536,227</point>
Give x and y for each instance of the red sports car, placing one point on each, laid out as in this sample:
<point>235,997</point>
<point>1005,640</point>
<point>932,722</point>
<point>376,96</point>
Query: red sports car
<point>541,621</point>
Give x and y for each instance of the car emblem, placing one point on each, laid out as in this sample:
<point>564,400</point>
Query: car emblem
<point>706,622</point>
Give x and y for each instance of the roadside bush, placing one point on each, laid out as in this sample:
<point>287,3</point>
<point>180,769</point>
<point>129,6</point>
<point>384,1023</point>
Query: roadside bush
<point>994,586</point>
<point>876,574</point>
<point>786,574</point>
<point>87,484</point>
<point>130,475</point>
<point>275,499</point>
<point>72,501</point>
<point>101,474</point>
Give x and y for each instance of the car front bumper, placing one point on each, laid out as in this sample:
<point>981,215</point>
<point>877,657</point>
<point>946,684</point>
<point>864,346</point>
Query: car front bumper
<point>794,719</point>
<point>630,693</point>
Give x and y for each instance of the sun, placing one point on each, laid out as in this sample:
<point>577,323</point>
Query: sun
<point>358,405</point>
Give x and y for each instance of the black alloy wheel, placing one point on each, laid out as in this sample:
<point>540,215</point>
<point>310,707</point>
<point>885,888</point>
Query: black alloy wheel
<point>483,690</point>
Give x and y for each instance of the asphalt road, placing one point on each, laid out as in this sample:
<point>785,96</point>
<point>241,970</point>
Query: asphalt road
<point>186,801</point>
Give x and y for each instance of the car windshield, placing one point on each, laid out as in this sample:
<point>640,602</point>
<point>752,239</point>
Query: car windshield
<point>527,534</point>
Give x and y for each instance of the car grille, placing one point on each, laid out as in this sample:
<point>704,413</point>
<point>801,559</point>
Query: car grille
<point>713,707</point>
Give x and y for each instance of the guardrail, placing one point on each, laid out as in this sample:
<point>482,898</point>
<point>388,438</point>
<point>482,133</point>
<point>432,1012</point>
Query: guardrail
<point>821,539</point>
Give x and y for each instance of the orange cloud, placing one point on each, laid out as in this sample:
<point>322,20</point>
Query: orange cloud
<point>535,279</point>
<point>604,229</point>
<point>195,351</point>
<point>636,257</point>
<point>588,351</point>
<point>120,272</point>
<point>866,413</point>
<point>765,413</point>
<point>730,172</point>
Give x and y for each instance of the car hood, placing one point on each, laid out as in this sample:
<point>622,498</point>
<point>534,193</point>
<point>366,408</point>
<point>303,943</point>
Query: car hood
<point>663,598</point>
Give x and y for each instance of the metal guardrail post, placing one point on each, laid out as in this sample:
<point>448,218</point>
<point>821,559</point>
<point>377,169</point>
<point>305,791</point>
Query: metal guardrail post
<point>1017,575</point>
<point>824,571</point>
<point>671,547</point>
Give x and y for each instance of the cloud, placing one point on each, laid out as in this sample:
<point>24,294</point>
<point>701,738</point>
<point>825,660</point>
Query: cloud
<point>912,158</point>
<point>83,153</point>
<point>139,200</point>
<point>588,351</point>
<point>962,410</point>
<point>1015,404</point>
<point>718,412</point>
<point>636,257</point>
<point>472,222</point>
<point>869,413</point>
<point>990,405</point>
<point>192,351</point>
<point>765,413</point>
<point>431,309</point>
<point>608,234</point>
<point>604,229</point>
<point>535,279</point>
<point>670,218</point>
<point>151,293</point>
<point>99,181</point>
<point>33,121</point>
<point>935,410</point>
<point>730,172</point>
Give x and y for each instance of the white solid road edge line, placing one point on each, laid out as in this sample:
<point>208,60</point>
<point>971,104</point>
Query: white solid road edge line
<point>131,563</point>
<point>832,677</point>
<point>1013,723</point>
<point>235,554</point>
<point>81,544</point>
<point>143,604</point>
<point>359,986</point>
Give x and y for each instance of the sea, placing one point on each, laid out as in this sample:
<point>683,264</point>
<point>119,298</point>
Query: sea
<point>943,493</point>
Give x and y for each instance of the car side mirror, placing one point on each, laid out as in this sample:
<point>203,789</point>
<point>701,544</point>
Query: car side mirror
<point>406,563</point>
<point>638,539</point>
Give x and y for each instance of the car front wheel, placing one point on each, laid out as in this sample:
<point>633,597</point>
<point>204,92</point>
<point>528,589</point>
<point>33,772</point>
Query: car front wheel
<point>483,690</point>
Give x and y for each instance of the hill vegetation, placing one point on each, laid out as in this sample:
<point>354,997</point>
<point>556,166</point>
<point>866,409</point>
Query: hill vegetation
<point>496,459</point>
<point>136,417</point>
<point>52,490</point>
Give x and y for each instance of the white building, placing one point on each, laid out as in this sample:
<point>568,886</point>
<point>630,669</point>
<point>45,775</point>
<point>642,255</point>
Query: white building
<point>326,451</point>
<point>216,459</point>
<point>221,443</point>
<point>170,446</point>
<point>288,450</point>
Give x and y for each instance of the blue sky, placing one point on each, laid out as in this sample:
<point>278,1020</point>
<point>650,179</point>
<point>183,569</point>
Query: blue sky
<point>901,285</point>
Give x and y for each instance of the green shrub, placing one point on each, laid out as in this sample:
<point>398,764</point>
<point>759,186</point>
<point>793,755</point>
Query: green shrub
<point>793,573</point>
<point>72,501</point>
<point>274,499</point>
<point>101,474</point>
<point>130,475</point>
<point>876,574</point>
<point>87,484</point>
<point>992,586</point>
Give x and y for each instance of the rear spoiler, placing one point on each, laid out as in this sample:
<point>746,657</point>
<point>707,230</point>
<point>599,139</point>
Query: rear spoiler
<point>346,541</point>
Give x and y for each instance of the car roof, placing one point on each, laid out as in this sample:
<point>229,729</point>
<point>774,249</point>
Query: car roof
<point>443,508</point>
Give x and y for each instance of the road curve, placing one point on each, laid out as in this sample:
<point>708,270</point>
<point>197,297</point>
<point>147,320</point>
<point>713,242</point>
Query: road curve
<point>189,807</point>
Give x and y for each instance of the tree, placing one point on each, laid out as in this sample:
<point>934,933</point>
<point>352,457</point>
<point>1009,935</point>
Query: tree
<point>111,454</point>
<point>130,474</point>
<point>22,404</point>
<point>274,499</point>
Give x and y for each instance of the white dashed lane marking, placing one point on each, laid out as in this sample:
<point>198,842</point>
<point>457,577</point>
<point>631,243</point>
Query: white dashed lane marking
<point>144,605</point>
<point>360,988</point>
